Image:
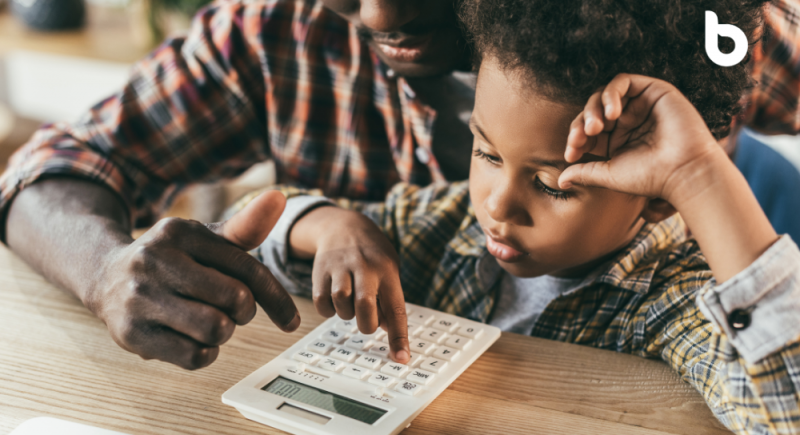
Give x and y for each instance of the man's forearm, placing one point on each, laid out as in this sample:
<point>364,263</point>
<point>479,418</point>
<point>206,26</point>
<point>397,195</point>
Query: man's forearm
<point>64,228</point>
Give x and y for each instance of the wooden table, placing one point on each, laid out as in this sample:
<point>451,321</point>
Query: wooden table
<point>56,359</point>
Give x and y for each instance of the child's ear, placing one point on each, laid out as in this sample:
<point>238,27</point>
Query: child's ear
<point>657,210</point>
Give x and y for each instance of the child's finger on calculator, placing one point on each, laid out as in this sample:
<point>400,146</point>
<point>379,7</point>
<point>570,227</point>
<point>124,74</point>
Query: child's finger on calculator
<point>342,294</point>
<point>366,301</point>
<point>393,310</point>
<point>321,292</point>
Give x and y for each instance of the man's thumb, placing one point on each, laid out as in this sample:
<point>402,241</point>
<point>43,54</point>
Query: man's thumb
<point>249,227</point>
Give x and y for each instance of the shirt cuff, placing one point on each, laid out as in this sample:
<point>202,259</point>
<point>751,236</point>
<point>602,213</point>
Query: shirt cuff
<point>759,308</point>
<point>295,276</point>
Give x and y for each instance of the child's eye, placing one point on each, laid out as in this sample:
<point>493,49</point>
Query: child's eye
<point>558,194</point>
<point>482,155</point>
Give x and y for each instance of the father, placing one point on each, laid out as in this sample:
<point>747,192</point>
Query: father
<point>349,96</point>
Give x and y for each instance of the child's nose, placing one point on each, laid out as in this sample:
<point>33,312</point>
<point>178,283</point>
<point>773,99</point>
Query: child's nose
<point>506,204</point>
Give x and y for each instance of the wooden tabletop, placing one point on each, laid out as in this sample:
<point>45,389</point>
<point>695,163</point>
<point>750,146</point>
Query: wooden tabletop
<point>56,359</point>
<point>108,35</point>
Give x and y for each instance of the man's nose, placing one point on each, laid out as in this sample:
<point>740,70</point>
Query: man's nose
<point>388,16</point>
<point>505,205</point>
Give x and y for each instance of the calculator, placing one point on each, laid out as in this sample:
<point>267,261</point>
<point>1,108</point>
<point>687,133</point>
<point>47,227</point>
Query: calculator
<point>336,380</point>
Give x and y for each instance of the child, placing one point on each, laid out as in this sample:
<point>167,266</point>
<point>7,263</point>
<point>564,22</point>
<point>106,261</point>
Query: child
<point>566,229</point>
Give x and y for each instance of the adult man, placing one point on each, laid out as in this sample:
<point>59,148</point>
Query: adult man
<point>328,90</point>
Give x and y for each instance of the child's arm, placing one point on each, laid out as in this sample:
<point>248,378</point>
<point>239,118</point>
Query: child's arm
<point>661,148</point>
<point>742,351</point>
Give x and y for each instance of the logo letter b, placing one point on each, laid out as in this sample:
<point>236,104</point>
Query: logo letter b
<point>714,29</point>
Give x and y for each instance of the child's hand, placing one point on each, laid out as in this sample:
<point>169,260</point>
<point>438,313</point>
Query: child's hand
<point>355,273</point>
<point>655,138</point>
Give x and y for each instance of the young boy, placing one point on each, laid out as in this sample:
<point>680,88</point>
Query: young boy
<point>566,229</point>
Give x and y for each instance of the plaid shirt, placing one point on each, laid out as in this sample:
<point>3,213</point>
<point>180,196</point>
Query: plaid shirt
<point>771,107</point>
<point>253,80</point>
<point>291,81</point>
<point>653,299</point>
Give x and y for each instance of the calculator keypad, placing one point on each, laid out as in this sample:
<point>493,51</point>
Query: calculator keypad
<point>343,354</point>
<point>319,346</point>
<point>306,357</point>
<point>433,335</point>
<point>420,377</point>
<point>434,365</point>
<point>435,342</point>
<point>382,380</point>
<point>331,364</point>
<point>356,372</point>
<point>394,369</point>
<point>446,353</point>
<point>371,362</point>
<point>408,387</point>
<point>445,325</point>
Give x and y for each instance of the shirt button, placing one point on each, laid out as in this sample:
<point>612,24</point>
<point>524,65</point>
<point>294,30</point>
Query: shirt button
<point>390,73</point>
<point>739,319</point>
<point>423,155</point>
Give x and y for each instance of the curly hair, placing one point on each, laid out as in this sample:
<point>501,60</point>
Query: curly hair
<point>567,49</point>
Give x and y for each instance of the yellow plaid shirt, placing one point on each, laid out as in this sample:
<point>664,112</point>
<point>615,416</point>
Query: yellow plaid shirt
<point>641,302</point>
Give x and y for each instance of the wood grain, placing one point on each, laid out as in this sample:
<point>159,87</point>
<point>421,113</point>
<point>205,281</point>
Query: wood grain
<point>56,359</point>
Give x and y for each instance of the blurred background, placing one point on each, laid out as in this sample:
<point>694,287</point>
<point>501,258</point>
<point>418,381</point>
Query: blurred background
<point>60,57</point>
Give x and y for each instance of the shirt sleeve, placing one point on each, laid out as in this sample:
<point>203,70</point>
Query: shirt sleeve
<point>192,111</point>
<point>771,106</point>
<point>738,343</point>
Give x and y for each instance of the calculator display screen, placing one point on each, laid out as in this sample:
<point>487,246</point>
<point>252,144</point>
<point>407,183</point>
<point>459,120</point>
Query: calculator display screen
<point>322,399</point>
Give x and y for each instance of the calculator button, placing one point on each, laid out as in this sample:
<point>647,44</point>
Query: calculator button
<point>334,336</point>
<point>394,369</point>
<point>414,329</point>
<point>319,346</point>
<point>421,318</point>
<point>421,346</point>
<point>445,325</point>
<point>382,380</point>
<point>445,353</point>
<point>470,332</point>
<point>421,377</point>
<point>457,342</point>
<point>348,326</point>
<point>343,354</point>
<point>408,387</point>
<point>433,365</point>
<point>305,356</point>
<point>369,361</point>
<point>432,335</point>
<point>331,364</point>
<point>357,342</point>
<point>415,359</point>
<point>382,350</point>
<point>356,372</point>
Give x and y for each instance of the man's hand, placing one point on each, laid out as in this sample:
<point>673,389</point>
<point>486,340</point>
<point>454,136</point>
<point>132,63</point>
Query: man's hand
<point>355,273</point>
<point>177,293</point>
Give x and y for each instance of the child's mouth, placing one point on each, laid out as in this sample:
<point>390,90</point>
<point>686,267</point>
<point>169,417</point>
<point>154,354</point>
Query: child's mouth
<point>502,251</point>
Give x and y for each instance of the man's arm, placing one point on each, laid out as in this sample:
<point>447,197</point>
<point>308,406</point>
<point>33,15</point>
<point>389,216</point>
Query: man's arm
<point>174,294</point>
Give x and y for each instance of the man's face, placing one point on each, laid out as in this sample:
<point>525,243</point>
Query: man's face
<point>413,37</point>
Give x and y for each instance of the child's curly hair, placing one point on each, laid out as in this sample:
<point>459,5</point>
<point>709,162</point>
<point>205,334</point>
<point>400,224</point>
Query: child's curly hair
<point>568,49</point>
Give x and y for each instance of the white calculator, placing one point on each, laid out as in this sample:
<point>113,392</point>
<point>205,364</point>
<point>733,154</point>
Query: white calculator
<point>336,380</point>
